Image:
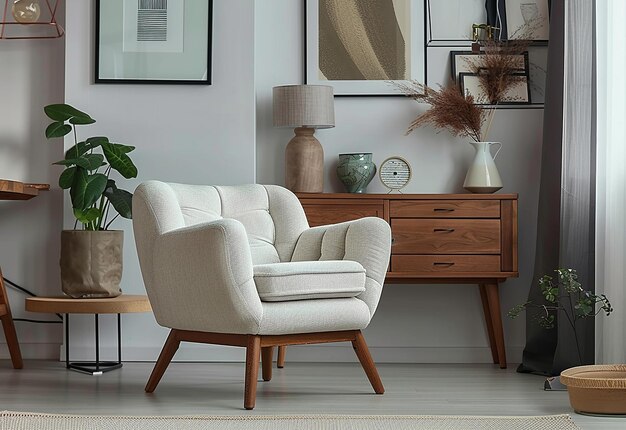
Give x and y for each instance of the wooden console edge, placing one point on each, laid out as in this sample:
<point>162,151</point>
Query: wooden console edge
<point>379,196</point>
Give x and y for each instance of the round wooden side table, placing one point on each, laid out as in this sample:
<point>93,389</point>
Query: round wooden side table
<point>65,305</point>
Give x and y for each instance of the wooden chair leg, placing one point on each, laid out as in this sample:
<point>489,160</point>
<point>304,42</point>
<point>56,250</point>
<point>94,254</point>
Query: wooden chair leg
<point>9,328</point>
<point>167,353</point>
<point>12,342</point>
<point>280,362</point>
<point>253,352</point>
<point>489,323</point>
<point>363,353</point>
<point>267,356</point>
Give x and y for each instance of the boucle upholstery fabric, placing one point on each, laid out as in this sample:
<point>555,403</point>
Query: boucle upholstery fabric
<point>197,247</point>
<point>366,241</point>
<point>313,316</point>
<point>305,280</point>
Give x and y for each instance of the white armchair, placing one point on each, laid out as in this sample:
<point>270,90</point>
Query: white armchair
<point>239,265</point>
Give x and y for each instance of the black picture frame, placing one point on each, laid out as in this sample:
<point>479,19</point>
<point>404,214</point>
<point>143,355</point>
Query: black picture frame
<point>463,76</point>
<point>453,63</point>
<point>99,80</point>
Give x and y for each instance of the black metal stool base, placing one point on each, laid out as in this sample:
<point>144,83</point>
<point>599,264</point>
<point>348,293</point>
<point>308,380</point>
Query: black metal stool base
<point>93,368</point>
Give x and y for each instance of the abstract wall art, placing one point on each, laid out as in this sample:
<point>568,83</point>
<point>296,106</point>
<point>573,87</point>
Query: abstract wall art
<point>358,47</point>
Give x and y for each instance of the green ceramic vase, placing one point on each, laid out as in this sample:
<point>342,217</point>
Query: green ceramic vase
<point>356,171</point>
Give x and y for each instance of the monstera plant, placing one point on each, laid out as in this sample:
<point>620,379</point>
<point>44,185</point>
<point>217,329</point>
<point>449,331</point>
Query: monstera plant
<point>91,257</point>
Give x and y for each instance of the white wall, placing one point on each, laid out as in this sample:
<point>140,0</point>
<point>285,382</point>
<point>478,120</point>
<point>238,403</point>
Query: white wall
<point>198,134</point>
<point>424,323</point>
<point>31,76</point>
<point>189,134</point>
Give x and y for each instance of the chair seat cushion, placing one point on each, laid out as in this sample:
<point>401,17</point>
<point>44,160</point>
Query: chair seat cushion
<point>279,282</point>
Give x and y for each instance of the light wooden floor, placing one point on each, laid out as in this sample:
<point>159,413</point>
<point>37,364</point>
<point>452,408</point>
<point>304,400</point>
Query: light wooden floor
<point>299,388</point>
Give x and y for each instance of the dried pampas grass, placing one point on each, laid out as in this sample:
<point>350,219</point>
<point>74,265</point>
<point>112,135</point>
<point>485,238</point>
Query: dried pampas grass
<point>498,69</point>
<point>449,110</point>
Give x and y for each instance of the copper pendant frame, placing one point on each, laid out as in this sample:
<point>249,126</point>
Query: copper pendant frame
<point>46,27</point>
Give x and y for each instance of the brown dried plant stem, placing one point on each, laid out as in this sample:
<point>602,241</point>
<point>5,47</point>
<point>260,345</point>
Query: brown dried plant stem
<point>450,110</point>
<point>491,115</point>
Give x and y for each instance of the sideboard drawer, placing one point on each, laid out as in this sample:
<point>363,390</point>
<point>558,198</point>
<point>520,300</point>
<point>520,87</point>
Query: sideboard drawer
<point>323,212</point>
<point>445,236</point>
<point>445,263</point>
<point>444,209</point>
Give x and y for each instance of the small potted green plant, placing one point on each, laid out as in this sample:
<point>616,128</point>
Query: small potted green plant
<point>565,297</point>
<point>91,255</point>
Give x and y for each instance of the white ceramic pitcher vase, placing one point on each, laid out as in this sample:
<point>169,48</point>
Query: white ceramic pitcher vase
<point>483,176</point>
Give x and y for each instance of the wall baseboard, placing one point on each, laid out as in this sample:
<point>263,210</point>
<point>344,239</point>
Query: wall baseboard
<point>33,351</point>
<point>306,353</point>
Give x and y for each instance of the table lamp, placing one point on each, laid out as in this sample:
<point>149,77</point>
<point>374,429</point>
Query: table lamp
<point>304,107</point>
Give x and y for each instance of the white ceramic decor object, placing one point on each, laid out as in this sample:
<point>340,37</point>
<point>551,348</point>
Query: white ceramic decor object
<point>483,176</point>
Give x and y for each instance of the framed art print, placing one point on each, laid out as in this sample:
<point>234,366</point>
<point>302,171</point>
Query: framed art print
<point>358,47</point>
<point>467,61</point>
<point>153,41</point>
<point>517,94</point>
<point>528,19</point>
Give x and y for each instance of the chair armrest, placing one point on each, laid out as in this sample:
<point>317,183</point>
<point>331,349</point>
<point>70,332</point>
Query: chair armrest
<point>203,279</point>
<point>366,241</point>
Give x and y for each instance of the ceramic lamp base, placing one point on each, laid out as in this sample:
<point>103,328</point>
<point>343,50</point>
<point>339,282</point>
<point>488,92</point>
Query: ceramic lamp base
<point>304,163</point>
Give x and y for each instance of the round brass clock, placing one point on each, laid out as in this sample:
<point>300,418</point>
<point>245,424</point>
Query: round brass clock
<point>395,173</point>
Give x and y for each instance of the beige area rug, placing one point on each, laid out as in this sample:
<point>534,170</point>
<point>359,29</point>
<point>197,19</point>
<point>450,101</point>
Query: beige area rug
<point>23,420</point>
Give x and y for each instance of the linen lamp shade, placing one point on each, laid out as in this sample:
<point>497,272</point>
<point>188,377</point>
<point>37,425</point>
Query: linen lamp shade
<point>304,107</point>
<point>311,106</point>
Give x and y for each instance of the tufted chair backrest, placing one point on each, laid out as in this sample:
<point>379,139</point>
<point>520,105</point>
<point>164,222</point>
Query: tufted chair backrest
<point>272,215</point>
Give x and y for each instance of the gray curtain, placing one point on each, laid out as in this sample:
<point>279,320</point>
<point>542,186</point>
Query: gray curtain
<point>566,213</point>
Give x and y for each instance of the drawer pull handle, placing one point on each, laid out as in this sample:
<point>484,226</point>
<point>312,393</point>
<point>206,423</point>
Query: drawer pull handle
<point>443,230</point>
<point>443,264</point>
<point>443,210</point>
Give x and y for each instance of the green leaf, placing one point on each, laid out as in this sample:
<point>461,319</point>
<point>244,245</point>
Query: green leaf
<point>57,129</point>
<point>111,185</point>
<point>63,112</point>
<point>86,161</point>
<point>88,215</point>
<point>81,121</point>
<point>119,161</point>
<point>87,189</point>
<point>77,150</point>
<point>81,162</point>
<point>124,148</point>
<point>121,200</point>
<point>93,161</point>
<point>86,146</point>
<point>67,178</point>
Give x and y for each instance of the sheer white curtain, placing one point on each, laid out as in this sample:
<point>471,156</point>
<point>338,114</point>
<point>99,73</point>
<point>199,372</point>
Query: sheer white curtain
<point>611,178</point>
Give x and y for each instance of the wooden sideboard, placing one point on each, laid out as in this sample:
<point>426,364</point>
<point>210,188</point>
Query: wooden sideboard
<point>439,238</point>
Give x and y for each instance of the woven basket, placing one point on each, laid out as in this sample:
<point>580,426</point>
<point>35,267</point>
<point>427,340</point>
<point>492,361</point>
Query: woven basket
<point>599,389</point>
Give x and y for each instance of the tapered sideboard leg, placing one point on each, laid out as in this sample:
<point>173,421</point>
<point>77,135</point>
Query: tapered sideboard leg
<point>489,323</point>
<point>493,302</point>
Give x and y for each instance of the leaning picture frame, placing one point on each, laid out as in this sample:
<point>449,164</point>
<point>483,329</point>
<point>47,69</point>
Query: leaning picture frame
<point>518,94</point>
<point>153,41</point>
<point>360,49</point>
<point>465,62</point>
